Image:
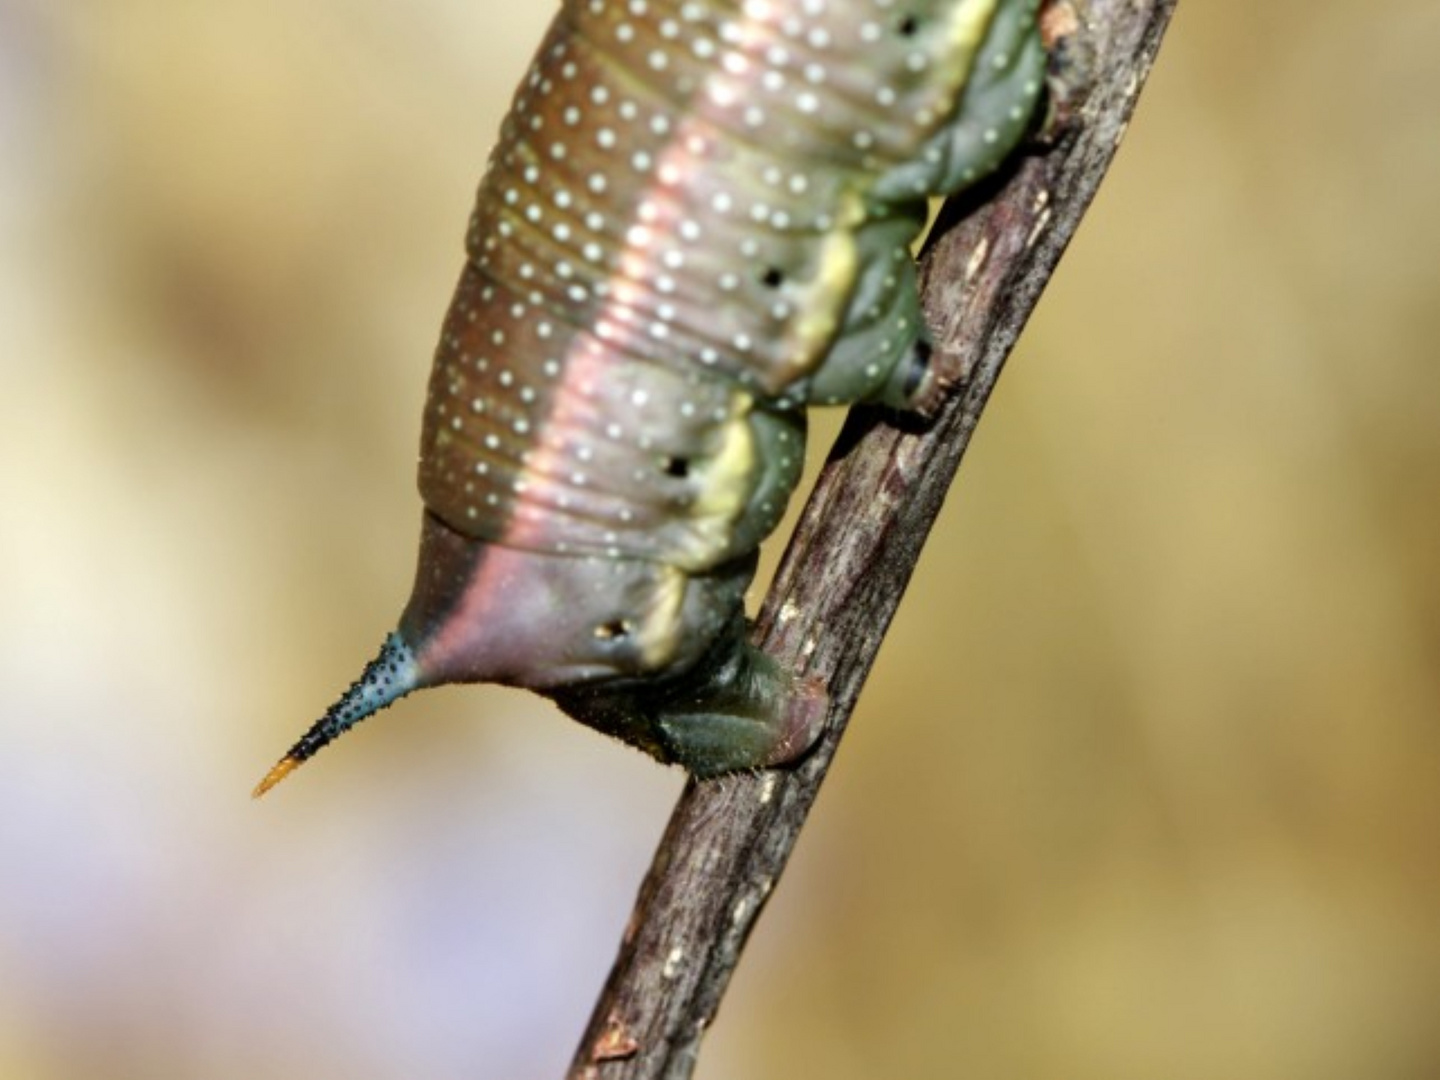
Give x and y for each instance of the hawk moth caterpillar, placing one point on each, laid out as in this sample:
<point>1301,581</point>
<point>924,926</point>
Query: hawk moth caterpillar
<point>696,222</point>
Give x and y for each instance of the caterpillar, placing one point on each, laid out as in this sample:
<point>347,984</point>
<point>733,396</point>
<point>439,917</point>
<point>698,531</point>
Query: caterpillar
<point>695,223</point>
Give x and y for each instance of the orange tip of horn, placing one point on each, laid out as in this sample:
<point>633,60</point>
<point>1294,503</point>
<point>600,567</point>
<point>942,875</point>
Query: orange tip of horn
<point>283,768</point>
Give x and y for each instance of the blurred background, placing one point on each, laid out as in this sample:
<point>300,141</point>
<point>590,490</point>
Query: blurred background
<point>1144,785</point>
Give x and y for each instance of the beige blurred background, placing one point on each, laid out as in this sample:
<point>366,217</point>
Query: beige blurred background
<point>1143,786</point>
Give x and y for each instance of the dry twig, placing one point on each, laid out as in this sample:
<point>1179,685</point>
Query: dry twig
<point>856,545</point>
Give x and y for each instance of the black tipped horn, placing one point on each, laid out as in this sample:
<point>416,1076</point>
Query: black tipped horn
<point>386,679</point>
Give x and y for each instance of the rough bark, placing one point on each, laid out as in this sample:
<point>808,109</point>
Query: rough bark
<point>857,543</point>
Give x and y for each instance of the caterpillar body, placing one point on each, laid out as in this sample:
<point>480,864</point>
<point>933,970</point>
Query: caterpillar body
<point>696,222</point>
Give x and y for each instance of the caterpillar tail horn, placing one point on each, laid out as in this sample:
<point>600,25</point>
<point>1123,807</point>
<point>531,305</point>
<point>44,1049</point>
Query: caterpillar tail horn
<point>386,679</point>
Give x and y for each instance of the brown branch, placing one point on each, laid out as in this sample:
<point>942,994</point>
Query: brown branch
<point>856,546</point>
